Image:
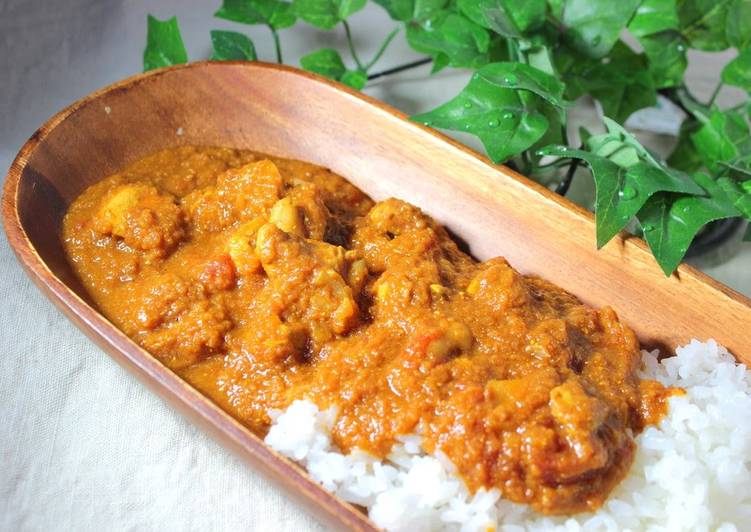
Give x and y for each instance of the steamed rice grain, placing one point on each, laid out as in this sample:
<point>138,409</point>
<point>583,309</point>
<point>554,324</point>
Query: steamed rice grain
<point>691,472</point>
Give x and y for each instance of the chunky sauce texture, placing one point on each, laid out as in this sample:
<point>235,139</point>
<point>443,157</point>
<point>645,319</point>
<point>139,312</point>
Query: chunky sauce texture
<point>262,280</point>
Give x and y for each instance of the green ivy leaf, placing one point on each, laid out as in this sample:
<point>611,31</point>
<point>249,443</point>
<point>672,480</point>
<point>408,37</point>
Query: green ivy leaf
<point>525,15</point>
<point>703,23</point>
<point>357,79</point>
<point>510,18</point>
<point>426,9</point>
<point>555,133</point>
<point>654,16</point>
<point>525,77</point>
<point>326,14</point>
<point>594,25</point>
<point>740,197</point>
<point>670,222</point>
<point>556,8</point>
<point>738,26</point>
<point>621,191</point>
<point>274,13</point>
<point>326,62</point>
<point>164,44</point>
<point>629,92</point>
<point>440,61</point>
<point>666,52</point>
<point>738,71</point>
<point>461,41</point>
<point>656,26</point>
<point>700,111</point>
<point>230,45</point>
<point>723,138</point>
<point>740,169</point>
<point>684,156</point>
<point>539,55</point>
<point>412,10</point>
<point>743,204</point>
<point>619,133</point>
<point>507,121</point>
<point>613,149</point>
<point>622,85</point>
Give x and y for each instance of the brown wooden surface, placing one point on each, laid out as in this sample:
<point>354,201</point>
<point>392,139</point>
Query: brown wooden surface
<point>285,112</point>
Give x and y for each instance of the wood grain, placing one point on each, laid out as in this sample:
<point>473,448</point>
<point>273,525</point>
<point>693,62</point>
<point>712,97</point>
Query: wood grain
<point>286,112</point>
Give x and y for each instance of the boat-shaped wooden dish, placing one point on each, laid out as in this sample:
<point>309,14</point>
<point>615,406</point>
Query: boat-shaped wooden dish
<point>286,112</point>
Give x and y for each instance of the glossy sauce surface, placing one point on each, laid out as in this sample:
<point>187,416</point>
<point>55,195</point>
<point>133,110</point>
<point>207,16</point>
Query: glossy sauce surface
<point>263,280</point>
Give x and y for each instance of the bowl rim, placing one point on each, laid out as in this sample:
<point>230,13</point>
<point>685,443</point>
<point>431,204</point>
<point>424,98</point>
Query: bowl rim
<point>177,391</point>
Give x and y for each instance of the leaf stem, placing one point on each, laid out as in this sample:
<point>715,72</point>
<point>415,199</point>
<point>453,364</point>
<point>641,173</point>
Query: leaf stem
<point>401,68</point>
<point>715,93</point>
<point>382,49</point>
<point>277,44</point>
<point>565,184</point>
<point>513,50</point>
<point>554,164</point>
<point>738,106</point>
<point>512,165</point>
<point>672,95</point>
<point>351,45</point>
<point>527,164</point>
<point>550,19</point>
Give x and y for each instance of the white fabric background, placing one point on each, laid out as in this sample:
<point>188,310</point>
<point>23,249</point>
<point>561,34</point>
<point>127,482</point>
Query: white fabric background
<point>85,446</point>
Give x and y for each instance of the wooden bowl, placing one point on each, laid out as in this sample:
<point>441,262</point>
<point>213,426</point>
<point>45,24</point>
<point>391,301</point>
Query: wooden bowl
<point>286,112</point>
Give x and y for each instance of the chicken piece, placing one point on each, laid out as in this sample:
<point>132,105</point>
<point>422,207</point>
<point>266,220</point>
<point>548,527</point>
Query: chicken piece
<point>391,230</point>
<point>142,217</point>
<point>554,341</point>
<point>266,337</point>
<point>341,197</point>
<point>403,289</point>
<point>455,338</point>
<point>307,277</point>
<point>498,286</point>
<point>395,232</point>
<point>242,194</point>
<point>285,215</point>
<point>203,210</point>
<point>396,217</point>
<point>357,273</point>
<point>251,190</point>
<point>182,169</point>
<point>196,334</point>
<point>301,212</point>
<point>218,274</point>
<point>176,321</point>
<point>192,336</point>
<point>515,400</point>
<point>437,343</point>
<point>581,420</point>
<point>242,247</point>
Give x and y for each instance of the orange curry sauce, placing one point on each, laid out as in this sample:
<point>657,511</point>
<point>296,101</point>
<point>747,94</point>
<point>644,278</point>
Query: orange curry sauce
<point>263,280</point>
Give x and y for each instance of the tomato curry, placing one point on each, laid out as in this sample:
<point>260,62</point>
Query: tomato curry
<point>263,280</point>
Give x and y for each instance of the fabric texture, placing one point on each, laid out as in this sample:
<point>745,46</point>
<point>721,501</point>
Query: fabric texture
<point>84,445</point>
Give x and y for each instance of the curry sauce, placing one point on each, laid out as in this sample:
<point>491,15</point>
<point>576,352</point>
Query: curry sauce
<point>263,280</point>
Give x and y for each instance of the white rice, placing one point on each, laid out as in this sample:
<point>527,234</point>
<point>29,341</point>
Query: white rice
<point>692,472</point>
